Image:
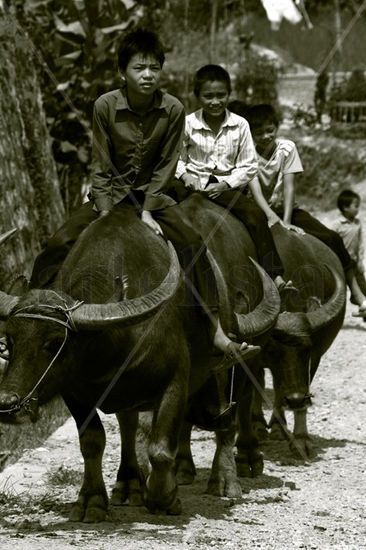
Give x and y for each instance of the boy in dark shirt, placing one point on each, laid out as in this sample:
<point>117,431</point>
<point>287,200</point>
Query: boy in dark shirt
<point>137,134</point>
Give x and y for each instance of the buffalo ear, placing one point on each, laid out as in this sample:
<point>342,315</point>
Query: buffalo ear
<point>18,286</point>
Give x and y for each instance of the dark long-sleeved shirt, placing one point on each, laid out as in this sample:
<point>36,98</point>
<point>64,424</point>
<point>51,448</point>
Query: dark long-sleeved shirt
<point>132,151</point>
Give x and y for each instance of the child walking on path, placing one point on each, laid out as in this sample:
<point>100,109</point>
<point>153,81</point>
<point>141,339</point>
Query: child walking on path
<point>278,162</point>
<point>349,227</point>
<point>218,159</point>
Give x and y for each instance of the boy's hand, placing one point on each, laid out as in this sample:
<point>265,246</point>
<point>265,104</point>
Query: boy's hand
<point>191,182</point>
<point>273,219</point>
<point>214,190</point>
<point>147,218</point>
<point>294,228</point>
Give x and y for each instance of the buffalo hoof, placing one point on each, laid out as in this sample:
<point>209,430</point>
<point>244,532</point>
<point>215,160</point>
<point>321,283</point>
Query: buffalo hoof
<point>174,509</point>
<point>278,432</point>
<point>185,472</point>
<point>224,486</point>
<point>250,464</point>
<point>170,505</point>
<point>89,510</point>
<point>127,492</point>
<point>301,446</point>
<point>260,429</point>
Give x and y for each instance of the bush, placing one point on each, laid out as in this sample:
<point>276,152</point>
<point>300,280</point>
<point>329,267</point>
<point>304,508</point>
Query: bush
<point>75,44</point>
<point>257,79</point>
<point>304,117</point>
<point>329,167</point>
<point>352,130</point>
<point>352,88</point>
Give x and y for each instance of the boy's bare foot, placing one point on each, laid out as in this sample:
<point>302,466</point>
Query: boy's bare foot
<point>283,286</point>
<point>236,353</point>
<point>361,311</point>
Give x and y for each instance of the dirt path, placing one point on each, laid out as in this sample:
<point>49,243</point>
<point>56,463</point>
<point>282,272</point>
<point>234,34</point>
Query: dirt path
<point>320,505</point>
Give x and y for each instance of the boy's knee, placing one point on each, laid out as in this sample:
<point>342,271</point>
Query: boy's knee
<point>256,217</point>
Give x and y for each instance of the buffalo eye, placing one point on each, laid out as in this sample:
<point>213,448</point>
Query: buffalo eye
<point>4,349</point>
<point>52,346</point>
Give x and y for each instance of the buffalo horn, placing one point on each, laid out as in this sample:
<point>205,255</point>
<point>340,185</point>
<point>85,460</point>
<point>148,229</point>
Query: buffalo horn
<point>133,311</point>
<point>321,317</point>
<point>224,300</point>
<point>264,316</point>
<point>6,235</point>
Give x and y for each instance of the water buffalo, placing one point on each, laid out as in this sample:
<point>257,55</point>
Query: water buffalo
<point>304,330</point>
<point>129,347</point>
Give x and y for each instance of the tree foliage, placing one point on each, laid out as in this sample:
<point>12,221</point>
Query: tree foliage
<point>351,88</point>
<point>257,79</point>
<point>75,44</point>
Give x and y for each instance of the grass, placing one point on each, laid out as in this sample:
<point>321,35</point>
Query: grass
<point>17,438</point>
<point>64,476</point>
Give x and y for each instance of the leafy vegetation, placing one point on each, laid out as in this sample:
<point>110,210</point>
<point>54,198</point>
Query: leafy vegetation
<point>64,475</point>
<point>330,165</point>
<point>351,88</point>
<point>75,44</point>
<point>76,64</point>
<point>257,79</point>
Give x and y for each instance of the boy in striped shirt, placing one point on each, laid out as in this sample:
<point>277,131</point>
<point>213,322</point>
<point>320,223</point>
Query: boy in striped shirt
<point>218,159</point>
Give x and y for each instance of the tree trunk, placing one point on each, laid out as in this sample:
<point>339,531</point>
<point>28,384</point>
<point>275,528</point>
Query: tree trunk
<point>30,198</point>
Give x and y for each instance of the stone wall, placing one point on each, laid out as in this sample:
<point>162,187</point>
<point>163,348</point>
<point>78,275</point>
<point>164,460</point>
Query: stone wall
<point>30,199</point>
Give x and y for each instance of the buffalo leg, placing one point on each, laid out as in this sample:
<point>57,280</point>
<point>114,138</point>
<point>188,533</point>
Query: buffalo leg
<point>300,443</point>
<point>184,465</point>
<point>128,484</point>
<point>260,426</point>
<point>161,485</point>
<point>92,503</point>
<point>278,423</point>
<point>249,460</point>
<point>223,479</point>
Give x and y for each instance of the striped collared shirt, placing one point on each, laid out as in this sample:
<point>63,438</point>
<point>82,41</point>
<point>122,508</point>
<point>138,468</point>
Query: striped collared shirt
<point>230,155</point>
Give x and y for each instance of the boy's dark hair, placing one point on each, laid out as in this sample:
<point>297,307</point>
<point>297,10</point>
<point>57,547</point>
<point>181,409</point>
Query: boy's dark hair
<point>261,115</point>
<point>140,41</point>
<point>239,108</point>
<point>345,198</point>
<point>210,73</point>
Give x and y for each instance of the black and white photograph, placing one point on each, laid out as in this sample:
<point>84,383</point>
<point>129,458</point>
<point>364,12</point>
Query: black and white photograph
<point>182,274</point>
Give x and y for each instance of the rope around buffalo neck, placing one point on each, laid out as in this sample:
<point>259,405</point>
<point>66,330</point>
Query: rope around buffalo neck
<point>68,325</point>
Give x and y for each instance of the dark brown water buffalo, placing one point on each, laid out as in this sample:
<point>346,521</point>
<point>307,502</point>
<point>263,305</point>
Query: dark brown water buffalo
<point>128,348</point>
<point>303,332</point>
